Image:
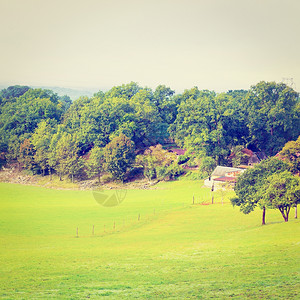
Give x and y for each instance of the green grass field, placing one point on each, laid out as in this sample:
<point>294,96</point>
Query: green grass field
<point>176,250</point>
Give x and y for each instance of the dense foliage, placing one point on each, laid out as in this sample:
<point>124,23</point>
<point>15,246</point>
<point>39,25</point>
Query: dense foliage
<point>46,133</point>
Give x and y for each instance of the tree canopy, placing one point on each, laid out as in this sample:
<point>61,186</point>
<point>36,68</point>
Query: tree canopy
<point>209,125</point>
<point>249,185</point>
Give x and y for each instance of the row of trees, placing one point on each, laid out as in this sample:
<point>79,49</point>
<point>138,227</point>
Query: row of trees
<point>46,133</point>
<point>261,119</point>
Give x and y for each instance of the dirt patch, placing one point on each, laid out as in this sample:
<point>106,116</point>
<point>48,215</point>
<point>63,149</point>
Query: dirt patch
<point>13,175</point>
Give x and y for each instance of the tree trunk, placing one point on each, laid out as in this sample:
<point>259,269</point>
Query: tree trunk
<point>99,178</point>
<point>285,213</point>
<point>264,216</point>
<point>50,173</point>
<point>72,178</point>
<point>296,214</point>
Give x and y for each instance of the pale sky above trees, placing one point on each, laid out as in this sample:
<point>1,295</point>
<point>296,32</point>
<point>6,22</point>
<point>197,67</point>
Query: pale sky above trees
<point>212,44</point>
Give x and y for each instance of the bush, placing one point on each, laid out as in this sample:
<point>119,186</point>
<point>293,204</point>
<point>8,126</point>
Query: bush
<point>182,159</point>
<point>106,178</point>
<point>169,173</point>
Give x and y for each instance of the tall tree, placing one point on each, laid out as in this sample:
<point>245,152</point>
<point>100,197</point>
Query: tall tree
<point>281,191</point>
<point>291,154</point>
<point>249,185</point>
<point>95,163</point>
<point>119,156</point>
<point>203,126</point>
<point>273,115</point>
<point>41,139</point>
<point>68,161</point>
<point>14,91</point>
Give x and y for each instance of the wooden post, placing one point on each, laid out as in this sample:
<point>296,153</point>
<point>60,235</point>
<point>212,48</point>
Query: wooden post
<point>139,217</point>
<point>264,216</point>
<point>77,232</point>
<point>93,229</point>
<point>114,225</point>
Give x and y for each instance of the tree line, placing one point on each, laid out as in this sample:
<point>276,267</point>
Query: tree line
<point>111,131</point>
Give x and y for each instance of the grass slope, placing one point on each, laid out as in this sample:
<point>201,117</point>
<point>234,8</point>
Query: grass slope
<point>176,250</point>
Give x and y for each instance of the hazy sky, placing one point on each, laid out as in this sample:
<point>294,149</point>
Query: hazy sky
<point>212,44</point>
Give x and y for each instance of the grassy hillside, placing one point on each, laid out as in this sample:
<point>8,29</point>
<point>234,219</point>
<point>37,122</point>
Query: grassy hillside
<point>176,250</point>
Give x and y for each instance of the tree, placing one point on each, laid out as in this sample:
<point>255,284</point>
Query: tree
<point>272,116</point>
<point>159,163</point>
<point>281,191</point>
<point>291,154</point>
<point>206,166</point>
<point>125,91</point>
<point>95,163</point>
<point>20,117</point>
<point>68,161</point>
<point>166,105</point>
<point>26,156</point>
<point>237,156</point>
<point>119,156</point>
<point>249,185</point>
<point>203,126</point>
<point>41,140</point>
<point>14,91</point>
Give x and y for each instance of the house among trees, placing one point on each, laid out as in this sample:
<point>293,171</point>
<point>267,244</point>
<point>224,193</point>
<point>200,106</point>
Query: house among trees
<point>246,157</point>
<point>178,151</point>
<point>222,175</point>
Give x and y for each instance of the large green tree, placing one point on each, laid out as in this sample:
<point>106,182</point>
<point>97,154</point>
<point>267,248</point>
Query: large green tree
<point>119,156</point>
<point>273,116</point>
<point>291,154</point>
<point>68,161</point>
<point>204,124</point>
<point>95,162</point>
<point>41,139</point>
<point>249,185</point>
<point>281,191</point>
<point>98,120</point>
<point>21,116</point>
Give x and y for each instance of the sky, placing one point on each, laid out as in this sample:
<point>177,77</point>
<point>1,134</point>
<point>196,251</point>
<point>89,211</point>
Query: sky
<point>213,44</point>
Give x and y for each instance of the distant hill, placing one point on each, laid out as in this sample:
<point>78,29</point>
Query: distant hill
<point>72,93</point>
<point>61,91</point>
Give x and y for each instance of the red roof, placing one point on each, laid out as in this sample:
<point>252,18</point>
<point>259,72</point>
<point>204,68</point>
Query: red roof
<point>178,151</point>
<point>247,151</point>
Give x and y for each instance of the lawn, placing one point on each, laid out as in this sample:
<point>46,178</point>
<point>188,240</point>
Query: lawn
<point>156,244</point>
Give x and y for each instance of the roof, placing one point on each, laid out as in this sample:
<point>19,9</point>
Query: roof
<point>261,155</point>
<point>247,152</point>
<point>221,171</point>
<point>225,179</point>
<point>178,151</point>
